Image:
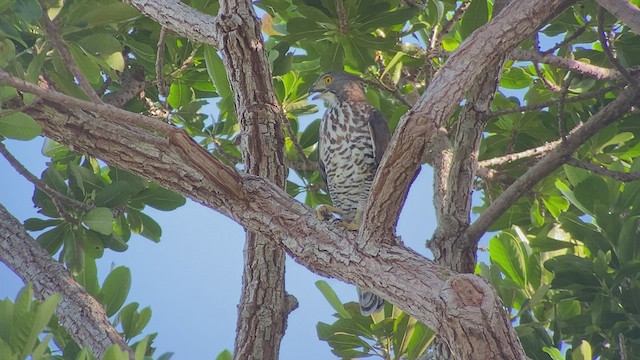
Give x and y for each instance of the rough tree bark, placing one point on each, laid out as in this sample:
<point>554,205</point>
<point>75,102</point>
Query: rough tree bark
<point>82,316</point>
<point>463,308</point>
<point>264,305</point>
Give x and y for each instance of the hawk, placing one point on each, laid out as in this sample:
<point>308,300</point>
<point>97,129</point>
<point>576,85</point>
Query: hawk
<point>353,137</point>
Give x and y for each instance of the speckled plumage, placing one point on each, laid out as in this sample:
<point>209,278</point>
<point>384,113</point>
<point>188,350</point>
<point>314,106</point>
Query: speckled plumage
<point>353,137</point>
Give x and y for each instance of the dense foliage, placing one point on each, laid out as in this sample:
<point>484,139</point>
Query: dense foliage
<point>565,259</point>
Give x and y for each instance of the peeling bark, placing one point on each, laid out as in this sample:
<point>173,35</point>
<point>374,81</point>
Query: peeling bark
<point>79,313</point>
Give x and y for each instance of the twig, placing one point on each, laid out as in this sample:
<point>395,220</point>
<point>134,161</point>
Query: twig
<point>609,52</point>
<point>535,107</point>
<point>611,112</point>
<point>601,170</point>
<point>567,39</point>
<point>540,150</point>
<point>342,17</point>
<point>162,87</point>
<point>108,111</point>
<point>562,126</point>
<point>593,71</point>
<point>446,29</point>
<point>68,58</point>
<point>40,184</point>
<point>296,144</point>
<point>302,165</point>
<point>378,84</point>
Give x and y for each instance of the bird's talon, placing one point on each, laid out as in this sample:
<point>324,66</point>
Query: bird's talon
<point>350,225</point>
<point>325,212</point>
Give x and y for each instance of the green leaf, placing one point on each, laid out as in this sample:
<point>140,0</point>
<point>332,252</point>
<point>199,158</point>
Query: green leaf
<point>515,78</point>
<point>332,298</point>
<point>309,136</point>
<point>20,126</point>
<point>476,15</point>
<point>42,317</point>
<point>159,198</point>
<point>505,252</point>
<point>150,228</point>
<point>179,94</point>
<point>553,352</point>
<point>88,278</point>
<point>52,240</point>
<point>35,224</point>
<point>224,355</point>
<point>27,10</point>
<point>100,220</point>
<point>216,70</point>
<point>109,13</point>
<point>420,340</point>
<point>115,289</point>
<point>114,194</point>
<point>115,353</point>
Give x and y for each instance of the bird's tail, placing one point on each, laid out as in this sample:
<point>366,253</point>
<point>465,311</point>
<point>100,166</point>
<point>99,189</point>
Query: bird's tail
<point>369,302</point>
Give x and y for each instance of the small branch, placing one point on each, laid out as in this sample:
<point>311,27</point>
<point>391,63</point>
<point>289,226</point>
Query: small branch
<point>436,40</point>
<point>296,144</point>
<point>132,85</point>
<point>568,39</point>
<point>393,91</point>
<point>539,72</point>
<point>79,313</point>
<point>552,160</point>
<point>53,194</point>
<point>562,126</point>
<point>625,11</point>
<point>564,63</point>
<point>535,107</point>
<point>601,170</point>
<point>106,110</point>
<point>343,27</point>
<point>181,19</point>
<point>68,59</point>
<point>606,46</point>
<point>162,87</point>
<point>540,150</point>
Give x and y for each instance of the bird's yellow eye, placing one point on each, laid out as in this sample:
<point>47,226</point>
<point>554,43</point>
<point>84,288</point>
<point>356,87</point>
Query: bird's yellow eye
<point>328,80</point>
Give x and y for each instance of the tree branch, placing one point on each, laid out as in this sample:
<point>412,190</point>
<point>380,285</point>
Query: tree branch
<point>180,18</point>
<point>625,11</point>
<point>53,194</point>
<point>67,58</point>
<point>606,47</point>
<point>413,134</point>
<point>552,160</point>
<point>264,304</point>
<point>579,67</point>
<point>82,316</point>
<point>430,293</point>
<point>601,170</point>
<point>572,99</point>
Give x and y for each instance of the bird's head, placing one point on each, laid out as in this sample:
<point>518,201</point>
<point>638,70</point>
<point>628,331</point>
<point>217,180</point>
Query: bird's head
<point>338,86</point>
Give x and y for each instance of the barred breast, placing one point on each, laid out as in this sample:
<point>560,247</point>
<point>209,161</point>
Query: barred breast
<point>346,150</point>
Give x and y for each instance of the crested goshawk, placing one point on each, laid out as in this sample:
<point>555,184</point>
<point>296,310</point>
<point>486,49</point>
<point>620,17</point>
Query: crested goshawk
<point>353,137</point>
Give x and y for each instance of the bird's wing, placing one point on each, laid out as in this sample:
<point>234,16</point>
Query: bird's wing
<point>323,172</point>
<point>380,134</point>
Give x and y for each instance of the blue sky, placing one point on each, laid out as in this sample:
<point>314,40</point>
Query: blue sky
<point>191,279</point>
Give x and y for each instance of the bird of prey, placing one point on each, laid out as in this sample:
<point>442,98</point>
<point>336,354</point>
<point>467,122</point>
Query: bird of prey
<point>353,137</point>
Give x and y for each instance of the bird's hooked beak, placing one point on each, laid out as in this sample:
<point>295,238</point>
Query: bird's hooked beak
<point>317,87</point>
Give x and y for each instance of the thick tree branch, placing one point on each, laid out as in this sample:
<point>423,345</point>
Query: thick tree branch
<point>82,316</point>
<point>625,11</point>
<point>413,135</point>
<point>553,159</point>
<point>431,293</point>
<point>179,18</point>
<point>264,304</point>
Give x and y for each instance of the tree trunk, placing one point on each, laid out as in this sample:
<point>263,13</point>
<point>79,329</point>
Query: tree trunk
<point>263,308</point>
